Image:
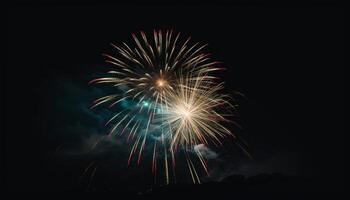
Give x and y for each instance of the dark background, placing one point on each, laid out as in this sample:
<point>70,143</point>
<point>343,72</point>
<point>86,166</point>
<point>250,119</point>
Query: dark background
<point>288,60</point>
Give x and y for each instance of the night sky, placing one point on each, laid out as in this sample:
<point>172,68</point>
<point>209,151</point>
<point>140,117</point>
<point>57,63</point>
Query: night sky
<point>288,61</point>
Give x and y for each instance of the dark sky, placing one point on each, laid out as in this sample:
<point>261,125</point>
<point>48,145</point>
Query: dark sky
<point>288,61</point>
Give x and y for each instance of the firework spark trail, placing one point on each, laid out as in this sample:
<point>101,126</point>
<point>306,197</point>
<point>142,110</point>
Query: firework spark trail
<point>169,82</point>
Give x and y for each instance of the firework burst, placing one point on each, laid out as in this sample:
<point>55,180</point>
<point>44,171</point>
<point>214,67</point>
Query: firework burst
<point>170,85</point>
<point>193,113</point>
<point>149,68</point>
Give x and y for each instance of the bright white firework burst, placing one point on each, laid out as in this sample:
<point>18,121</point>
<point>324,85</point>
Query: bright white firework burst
<point>169,82</point>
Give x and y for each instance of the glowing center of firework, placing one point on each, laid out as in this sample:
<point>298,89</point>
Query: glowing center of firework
<point>184,111</point>
<point>161,83</point>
